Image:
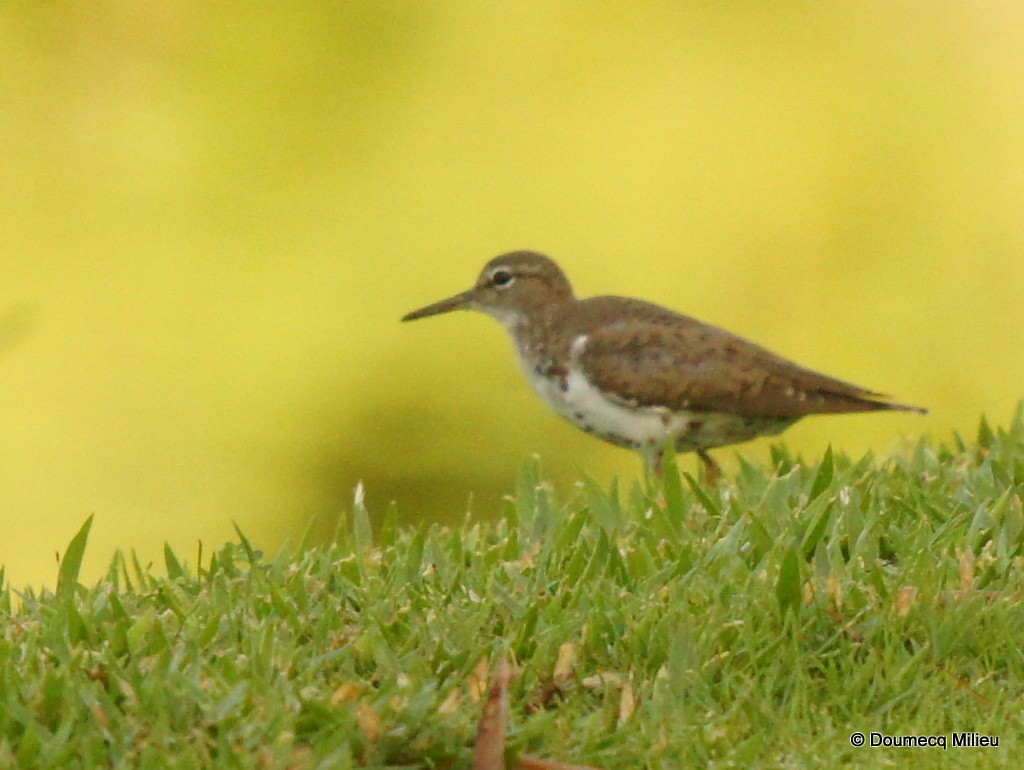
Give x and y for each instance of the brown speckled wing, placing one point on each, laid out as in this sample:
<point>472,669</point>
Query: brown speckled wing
<point>660,358</point>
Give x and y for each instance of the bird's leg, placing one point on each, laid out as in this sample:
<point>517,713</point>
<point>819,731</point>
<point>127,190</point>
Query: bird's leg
<point>652,456</point>
<point>712,473</point>
<point>654,476</point>
<point>657,463</point>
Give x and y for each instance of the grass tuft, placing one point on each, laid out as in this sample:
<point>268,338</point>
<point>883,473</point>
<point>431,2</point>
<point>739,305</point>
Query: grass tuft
<point>756,624</point>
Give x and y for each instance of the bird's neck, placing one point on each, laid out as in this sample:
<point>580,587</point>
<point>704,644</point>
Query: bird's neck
<point>539,333</point>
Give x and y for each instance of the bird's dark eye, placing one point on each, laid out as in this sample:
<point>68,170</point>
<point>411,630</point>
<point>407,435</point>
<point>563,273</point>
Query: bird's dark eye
<point>501,278</point>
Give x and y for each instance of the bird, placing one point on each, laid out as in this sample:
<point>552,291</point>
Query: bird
<point>644,377</point>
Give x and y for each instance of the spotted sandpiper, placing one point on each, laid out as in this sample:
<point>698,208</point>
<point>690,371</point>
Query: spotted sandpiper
<point>644,377</point>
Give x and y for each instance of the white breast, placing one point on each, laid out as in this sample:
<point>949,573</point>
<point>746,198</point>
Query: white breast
<point>584,405</point>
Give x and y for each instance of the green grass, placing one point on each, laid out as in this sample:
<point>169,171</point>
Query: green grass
<point>755,625</point>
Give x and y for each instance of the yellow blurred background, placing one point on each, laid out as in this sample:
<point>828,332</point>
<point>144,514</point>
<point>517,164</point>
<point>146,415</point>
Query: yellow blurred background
<point>213,218</point>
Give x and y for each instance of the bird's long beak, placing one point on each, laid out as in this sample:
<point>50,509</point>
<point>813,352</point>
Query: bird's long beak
<point>458,302</point>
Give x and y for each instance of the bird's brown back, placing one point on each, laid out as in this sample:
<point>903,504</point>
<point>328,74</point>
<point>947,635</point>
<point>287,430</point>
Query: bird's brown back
<point>652,356</point>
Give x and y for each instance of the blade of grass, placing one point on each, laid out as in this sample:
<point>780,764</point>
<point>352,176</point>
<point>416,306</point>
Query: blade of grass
<point>71,564</point>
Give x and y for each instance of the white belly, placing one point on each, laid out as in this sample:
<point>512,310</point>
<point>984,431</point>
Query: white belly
<point>590,410</point>
<point>644,428</point>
